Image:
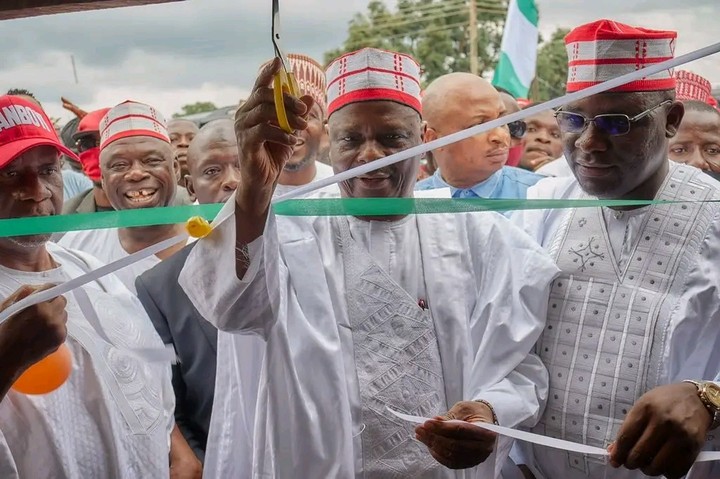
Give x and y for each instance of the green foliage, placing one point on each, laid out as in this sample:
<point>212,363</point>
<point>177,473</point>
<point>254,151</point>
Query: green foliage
<point>195,108</point>
<point>552,68</point>
<point>434,32</point>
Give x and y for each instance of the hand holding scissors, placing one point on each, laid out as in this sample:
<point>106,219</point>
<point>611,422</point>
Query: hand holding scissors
<point>284,80</point>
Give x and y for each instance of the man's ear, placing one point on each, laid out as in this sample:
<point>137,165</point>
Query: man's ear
<point>429,134</point>
<point>674,117</point>
<point>189,186</point>
<point>176,167</point>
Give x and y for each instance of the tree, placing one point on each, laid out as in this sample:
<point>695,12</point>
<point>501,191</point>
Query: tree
<point>552,68</point>
<point>434,32</point>
<point>195,108</point>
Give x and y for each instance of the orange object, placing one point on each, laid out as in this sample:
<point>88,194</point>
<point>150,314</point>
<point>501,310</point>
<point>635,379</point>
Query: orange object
<point>46,375</point>
<point>198,227</point>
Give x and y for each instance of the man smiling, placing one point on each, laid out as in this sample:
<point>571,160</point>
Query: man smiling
<point>138,171</point>
<point>358,314</point>
<point>635,314</point>
<point>305,165</point>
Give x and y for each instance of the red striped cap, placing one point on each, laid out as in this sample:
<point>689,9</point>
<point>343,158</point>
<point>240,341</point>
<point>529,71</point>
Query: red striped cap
<point>371,74</point>
<point>310,76</point>
<point>691,86</point>
<point>602,50</point>
<point>132,119</point>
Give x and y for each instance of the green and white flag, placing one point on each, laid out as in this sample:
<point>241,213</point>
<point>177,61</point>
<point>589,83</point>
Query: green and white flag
<point>518,52</point>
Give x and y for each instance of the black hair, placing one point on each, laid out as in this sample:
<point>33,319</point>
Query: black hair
<point>21,92</point>
<point>700,107</point>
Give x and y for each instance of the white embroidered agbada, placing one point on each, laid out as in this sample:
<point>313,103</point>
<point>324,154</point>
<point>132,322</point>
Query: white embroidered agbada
<point>637,306</point>
<point>230,437</point>
<point>112,418</point>
<point>336,300</point>
<point>105,245</point>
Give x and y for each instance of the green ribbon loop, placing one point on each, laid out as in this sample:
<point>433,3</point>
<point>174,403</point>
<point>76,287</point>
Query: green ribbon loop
<point>302,207</point>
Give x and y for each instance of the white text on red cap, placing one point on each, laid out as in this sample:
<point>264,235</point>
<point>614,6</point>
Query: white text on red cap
<point>16,115</point>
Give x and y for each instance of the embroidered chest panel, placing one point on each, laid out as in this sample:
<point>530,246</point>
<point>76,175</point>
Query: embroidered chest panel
<point>607,324</point>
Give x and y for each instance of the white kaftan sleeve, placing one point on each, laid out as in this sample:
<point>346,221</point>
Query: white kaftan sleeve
<point>514,287</point>
<point>209,277</point>
<point>7,462</point>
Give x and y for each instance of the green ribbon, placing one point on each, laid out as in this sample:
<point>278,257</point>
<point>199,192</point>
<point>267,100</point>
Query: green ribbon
<point>302,207</point>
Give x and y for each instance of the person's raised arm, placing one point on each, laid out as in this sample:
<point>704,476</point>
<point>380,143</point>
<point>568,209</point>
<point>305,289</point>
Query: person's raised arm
<point>264,149</point>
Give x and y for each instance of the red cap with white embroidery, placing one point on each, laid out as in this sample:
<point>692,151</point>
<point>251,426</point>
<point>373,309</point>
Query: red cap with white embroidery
<point>603,50</point>
<point>372,74</point>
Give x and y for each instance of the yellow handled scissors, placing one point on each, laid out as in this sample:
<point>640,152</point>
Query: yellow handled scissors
<point>284,80</point>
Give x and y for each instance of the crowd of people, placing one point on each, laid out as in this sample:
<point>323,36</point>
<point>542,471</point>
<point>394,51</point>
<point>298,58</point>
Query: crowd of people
<point>296,336</point>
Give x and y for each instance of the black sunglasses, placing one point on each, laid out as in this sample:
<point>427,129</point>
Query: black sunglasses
<point>86,142</point>
<point>614,124</point>
<point>517,129</point>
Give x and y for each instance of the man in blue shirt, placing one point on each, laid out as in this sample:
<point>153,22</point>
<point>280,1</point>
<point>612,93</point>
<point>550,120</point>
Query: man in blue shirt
<point>475,167</point>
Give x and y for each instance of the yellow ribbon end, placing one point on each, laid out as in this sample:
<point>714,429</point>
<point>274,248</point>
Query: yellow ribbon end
<point>198,227</point>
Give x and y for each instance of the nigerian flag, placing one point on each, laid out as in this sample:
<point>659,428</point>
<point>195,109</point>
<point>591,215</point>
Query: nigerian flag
<point>518,52</point>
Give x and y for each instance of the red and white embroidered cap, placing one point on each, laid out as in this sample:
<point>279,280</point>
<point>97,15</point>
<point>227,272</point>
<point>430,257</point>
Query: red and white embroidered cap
<point>602,50</point>
<point>129,119</point>
<point>310,76</point>
<point>691,86</point>
<point>371,74</point>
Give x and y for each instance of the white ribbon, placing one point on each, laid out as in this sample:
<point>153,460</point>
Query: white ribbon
<point>147,354</point>
<point>63,288</point>
<point>705,456</point>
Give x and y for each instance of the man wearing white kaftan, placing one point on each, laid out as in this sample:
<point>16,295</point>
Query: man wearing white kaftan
<point>636,310</point>
<point>415,313</point>
<point>114,415</point>
<point>138,168</point>
<point>639,294</point>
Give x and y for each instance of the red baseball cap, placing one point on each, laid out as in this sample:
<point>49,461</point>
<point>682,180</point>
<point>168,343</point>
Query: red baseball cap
<point>24,125</point>
<point>90,123</point>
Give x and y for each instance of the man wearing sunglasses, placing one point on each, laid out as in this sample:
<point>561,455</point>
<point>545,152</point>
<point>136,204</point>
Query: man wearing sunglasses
<point>87,143</point>
<point>631,340</point>
<point>475,167</point>
<point>517,128</point>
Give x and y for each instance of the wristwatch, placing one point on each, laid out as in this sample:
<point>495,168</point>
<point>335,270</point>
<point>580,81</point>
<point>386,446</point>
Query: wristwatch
<point>709,393</point>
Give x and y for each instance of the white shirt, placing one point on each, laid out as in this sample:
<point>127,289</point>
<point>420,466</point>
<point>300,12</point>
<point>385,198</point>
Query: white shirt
<point>689,346</point>
<point>559,167</point>
<point>322,171</point>
<point>104,244</point>
<point>293,297</point>
<point>113,417</point>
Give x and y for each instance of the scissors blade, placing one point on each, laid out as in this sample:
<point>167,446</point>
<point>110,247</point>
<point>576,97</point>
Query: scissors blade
<point>276,31</point>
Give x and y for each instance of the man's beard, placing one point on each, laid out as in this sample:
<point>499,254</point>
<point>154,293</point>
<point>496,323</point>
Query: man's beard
<point>30,241</point>
<point>302,164</point>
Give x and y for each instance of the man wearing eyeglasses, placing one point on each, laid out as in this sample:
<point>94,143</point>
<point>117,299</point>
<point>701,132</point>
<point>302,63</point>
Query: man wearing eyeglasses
<point>475,167</point>
<point>633,330</point>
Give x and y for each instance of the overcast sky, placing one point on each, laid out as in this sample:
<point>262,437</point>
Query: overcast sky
<point>209,50</point>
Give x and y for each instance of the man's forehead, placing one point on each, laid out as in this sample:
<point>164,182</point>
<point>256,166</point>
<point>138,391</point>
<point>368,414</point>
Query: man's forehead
<point>182,126</point>
<point>706,121</point>
<point>381,112</point>
<point>547,116</point>
<point>36,155</point>
<point>136,145</point>
<point>612,102</point>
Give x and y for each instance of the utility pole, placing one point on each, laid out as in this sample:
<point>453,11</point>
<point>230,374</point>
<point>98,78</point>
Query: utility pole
<point>473,37</point>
